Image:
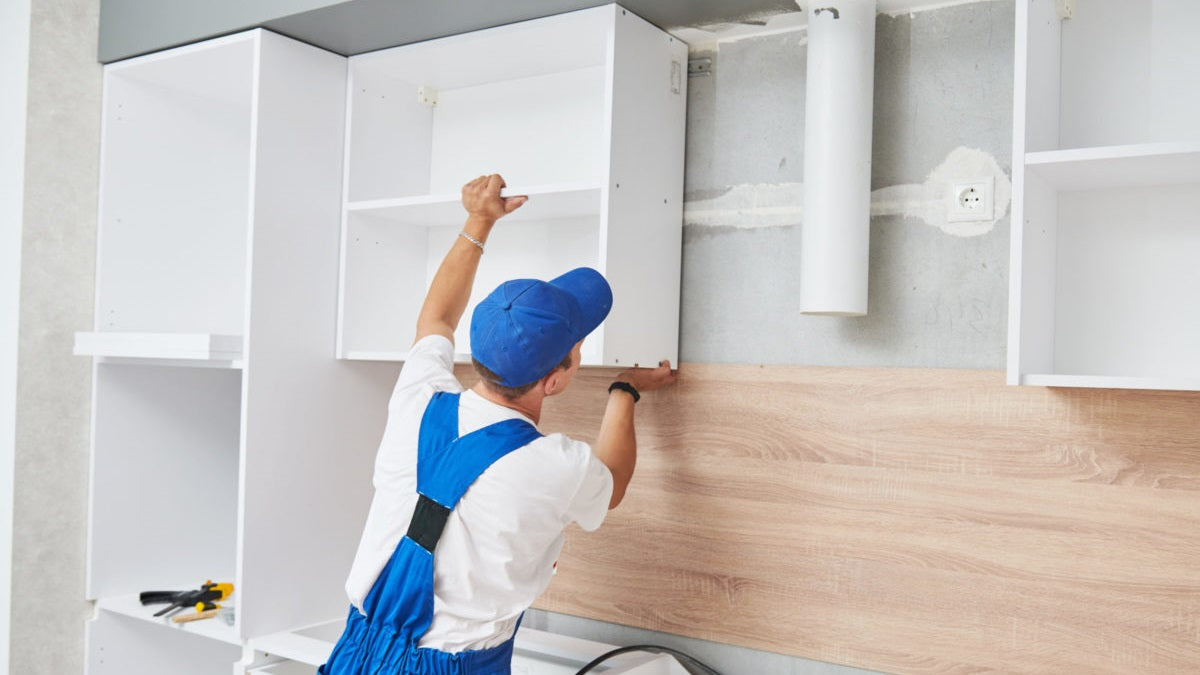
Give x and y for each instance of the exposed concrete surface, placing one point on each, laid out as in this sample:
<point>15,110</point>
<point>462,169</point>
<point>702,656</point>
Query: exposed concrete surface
<point>938,295</point>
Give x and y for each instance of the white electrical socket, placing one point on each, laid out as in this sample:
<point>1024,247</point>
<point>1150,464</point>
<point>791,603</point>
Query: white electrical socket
<point>971,200</point>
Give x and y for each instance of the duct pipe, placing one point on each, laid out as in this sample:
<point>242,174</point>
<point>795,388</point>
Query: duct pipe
<point>838,109</point>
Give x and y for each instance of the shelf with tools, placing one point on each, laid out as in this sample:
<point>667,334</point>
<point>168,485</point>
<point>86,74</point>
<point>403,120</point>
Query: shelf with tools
<point>583,112</point>
<point>219,627</point>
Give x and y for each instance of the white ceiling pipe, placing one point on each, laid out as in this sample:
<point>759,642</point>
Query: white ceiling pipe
<point>839,97</point>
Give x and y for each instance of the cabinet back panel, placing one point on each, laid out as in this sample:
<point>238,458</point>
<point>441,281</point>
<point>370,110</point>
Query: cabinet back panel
<point>534,131</point>
<point>1128,73</point>
<point>525,49</point>
<point>164,477</point>
<point>521,250</point>
<point>176,189</point>
<point>1127,282</point>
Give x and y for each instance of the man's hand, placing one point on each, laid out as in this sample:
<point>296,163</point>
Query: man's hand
<point>451,286</point>
<point>649,379</point>
<point>481,198</point>
<point>616,444</point>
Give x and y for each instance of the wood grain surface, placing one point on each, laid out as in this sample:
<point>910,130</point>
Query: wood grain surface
<point>907,521</point>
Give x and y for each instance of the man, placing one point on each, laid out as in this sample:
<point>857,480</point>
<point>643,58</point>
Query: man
<point>470,499</point>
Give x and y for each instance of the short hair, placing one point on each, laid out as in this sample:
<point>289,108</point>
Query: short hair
<point>492,380</point>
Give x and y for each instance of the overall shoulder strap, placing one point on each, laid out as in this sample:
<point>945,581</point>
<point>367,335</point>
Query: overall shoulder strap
<point>447,465</point>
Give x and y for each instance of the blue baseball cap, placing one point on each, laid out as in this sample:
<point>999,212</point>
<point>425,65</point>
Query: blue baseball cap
<point>526,327</point>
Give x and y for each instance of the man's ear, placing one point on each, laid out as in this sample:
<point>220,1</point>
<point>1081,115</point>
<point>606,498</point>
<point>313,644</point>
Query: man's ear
<point>550,383</point>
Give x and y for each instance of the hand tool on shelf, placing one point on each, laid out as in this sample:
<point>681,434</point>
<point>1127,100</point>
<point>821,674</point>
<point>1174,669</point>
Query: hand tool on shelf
<point>206,595</point>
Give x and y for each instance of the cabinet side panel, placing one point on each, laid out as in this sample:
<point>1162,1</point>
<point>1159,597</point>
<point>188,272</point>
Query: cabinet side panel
<point>384,282</point>
<point>641,233</point>
<point>1036,268</point>
<point>175,162</point>
<point>120,645</point>
<point>1127,278</point>
<point>311,422</point>
<point>1039,37</point>
<point>164,478</point>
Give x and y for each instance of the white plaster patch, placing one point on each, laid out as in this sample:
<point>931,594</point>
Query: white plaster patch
<point>749,206</point>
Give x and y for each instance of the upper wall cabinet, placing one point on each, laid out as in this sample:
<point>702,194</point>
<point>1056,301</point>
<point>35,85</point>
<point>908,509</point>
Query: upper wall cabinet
<point>583,112</point>
<point>1106,191</point>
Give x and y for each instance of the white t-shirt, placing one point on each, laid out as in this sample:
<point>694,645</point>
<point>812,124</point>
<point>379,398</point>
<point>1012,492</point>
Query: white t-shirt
<point>497,552</point>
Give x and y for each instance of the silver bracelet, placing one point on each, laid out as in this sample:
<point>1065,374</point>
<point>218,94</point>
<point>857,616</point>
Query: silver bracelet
<point>473,240</point>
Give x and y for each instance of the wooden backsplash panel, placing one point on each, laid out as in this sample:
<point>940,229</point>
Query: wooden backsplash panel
<point>909,521</point>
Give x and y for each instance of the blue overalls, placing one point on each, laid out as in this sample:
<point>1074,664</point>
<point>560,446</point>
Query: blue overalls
<point>399,607</point>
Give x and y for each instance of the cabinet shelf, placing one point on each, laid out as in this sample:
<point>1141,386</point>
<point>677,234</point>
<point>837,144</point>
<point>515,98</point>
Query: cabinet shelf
<point>215,628</point>
<point>546,203</point>
<point>1182,383</point>
<point>1117,166</point>
<point>165,348</point>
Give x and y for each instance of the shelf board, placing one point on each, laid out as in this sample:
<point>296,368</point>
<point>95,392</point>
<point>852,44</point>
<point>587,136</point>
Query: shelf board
<point>169,348</point>
<point>1180,383</point>
<point>459,357</point>
<point>1117,166</point>
<point>546,202</point>
<point>128,605</point>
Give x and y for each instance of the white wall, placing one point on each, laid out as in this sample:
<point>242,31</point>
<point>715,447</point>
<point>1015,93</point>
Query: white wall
<point>14,79</point>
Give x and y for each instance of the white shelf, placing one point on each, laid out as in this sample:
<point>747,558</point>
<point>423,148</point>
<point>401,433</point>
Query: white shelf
<point>310,646</point>
<point>215,628</point>
<point>546,203</point>
<point>459,357</point>
<point>1117,166</point>
<point>176,347</point>
<point>1182,383</point>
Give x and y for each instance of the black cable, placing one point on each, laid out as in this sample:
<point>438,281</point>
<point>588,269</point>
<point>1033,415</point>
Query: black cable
<point>688,660</point>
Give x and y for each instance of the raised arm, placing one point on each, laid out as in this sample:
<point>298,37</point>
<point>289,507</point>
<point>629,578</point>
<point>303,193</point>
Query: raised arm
<point>616,444</point>
<point>451,286</point>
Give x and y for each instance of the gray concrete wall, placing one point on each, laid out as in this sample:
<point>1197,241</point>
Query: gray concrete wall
<point>53,387</point>
<point>938,293</point>
<point>943,82</point>
<point>937,298</point>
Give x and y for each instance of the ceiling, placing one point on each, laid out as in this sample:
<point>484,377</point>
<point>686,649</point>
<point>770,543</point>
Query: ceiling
<point>365,25</point>
<point>347,27</point>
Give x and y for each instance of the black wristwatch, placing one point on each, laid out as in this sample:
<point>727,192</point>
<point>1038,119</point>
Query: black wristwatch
<point>625,386</point>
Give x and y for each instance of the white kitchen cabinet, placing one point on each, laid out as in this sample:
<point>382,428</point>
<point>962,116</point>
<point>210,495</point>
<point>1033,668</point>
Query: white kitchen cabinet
<point>261,214</point>
<point>583,112</point>
<point>1105,288</point>
<point>227,442</point>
